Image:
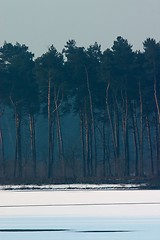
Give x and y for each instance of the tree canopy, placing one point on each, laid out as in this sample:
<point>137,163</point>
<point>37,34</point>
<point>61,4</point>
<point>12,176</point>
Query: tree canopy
<point>110,98</point>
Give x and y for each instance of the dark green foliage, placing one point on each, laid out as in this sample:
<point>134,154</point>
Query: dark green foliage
<point>114,97</point>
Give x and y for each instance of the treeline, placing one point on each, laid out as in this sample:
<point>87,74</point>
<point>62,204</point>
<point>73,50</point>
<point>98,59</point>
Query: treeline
<point>112,98</point>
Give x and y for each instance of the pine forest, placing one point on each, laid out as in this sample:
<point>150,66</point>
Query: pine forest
<point>80,115</point>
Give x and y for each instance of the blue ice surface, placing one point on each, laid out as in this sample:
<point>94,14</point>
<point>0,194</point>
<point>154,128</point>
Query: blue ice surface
<point>80,228</point>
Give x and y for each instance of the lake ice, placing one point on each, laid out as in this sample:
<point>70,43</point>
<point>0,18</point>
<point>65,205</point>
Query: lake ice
<point>80,214</point>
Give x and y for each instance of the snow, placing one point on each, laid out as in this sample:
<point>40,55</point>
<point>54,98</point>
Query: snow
<point>74,212</point>
<point>72,187</point>
<point>80,202</point>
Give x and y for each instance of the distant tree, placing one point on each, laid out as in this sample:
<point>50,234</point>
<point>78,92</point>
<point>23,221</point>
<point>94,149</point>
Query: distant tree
<point>82,69</point>
<point>3,93</point>
<point>152,64</point>
<point>114,96</point>
<point>19,65</point>
<point>49,72</point>
<point>117,75</point>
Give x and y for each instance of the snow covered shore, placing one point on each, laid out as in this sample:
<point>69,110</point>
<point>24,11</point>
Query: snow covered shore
<point>137,203</point>
<point>72,187</point>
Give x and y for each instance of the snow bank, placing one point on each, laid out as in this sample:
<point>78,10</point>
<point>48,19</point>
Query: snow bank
<point>72,187</point>
<point>145,203</point>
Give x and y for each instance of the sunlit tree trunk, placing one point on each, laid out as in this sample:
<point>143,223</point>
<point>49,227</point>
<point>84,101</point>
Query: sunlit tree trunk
<point>59,136</point>
<point>87,146</point>
<point>157,140</point>
<point>141,171</point>
<point>150,144</point>
<point>155,96</point>
<point>18,148</point>
<point>82,134</point>
<point>2,152</point>
<point>93,134</point>
<point>106,157</point>
<point>135,140</point>
<point>104,148</point>
<point>158,123</point>
<point>49,128</point>
<point>33,143</point>
<point>116,132</point>
<point>127,161</point>
<point>112,129</point>
<point>125,132</point>
<point>52,148</point>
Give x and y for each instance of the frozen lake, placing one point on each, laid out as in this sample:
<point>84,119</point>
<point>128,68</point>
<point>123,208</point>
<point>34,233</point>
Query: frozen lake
<point>70,228</point>
<point>77,214</point>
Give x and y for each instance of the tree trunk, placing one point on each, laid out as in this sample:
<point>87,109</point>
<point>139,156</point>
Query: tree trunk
<point>18,149</point>
<point>52,148</point>
<point>157,128</point>
<point>106,171</point>
<point>125,133</point>
<point>112,130</point>
<point>158,122</point>
<point>33,143</point>
<point>141,171</point>
<point>106,158</point>
<point>60,137</point>
<point>133,117</point>
<point>49,129</point>
<point>127,163</point>
<point>82,142</point>
<point>150,144</point>
<point>2,152</point>
<point>116,132</point>
<point>87,145</point>
<point>104,149</point>
<point>156,99</point>
<point>93,134</point>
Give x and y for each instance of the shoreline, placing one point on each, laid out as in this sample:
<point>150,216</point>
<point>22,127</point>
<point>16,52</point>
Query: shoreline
<point>71,187</point>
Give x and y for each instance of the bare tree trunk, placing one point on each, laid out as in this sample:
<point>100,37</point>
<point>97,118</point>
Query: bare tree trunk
<point>156,99</point>
<point>52,152</point>
<point>104,149</point>
<point>135,140</point>
<point>127,163</point>
<point>15,161</point>
<point>49,129</point>
<point>136,125</point>
<point>112,129</point>
<point>87,140</point>
<point>150,144</point>
<point>2,157</point>
<point>125,134</point>
<point>93,134</point>
<point>60,137</point>
<point>2,152</point>
<point>18,149</point>
<point>82,142</point>
<point>33,143</point>
<point>157,128</point>
<point>106,158</point>
<point>116,132</point>
<point>141,171</point>
<point>60,143</point>
<point>158,122</point>
<point>91,149</point>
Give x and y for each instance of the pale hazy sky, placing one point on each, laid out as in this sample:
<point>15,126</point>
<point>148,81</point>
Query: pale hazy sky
<point>40,23</point>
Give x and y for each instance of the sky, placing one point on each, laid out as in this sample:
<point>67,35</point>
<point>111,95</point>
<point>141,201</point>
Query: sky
<point>41,23</point>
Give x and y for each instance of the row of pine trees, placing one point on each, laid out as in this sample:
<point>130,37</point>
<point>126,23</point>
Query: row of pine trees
<point>113,97</point>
